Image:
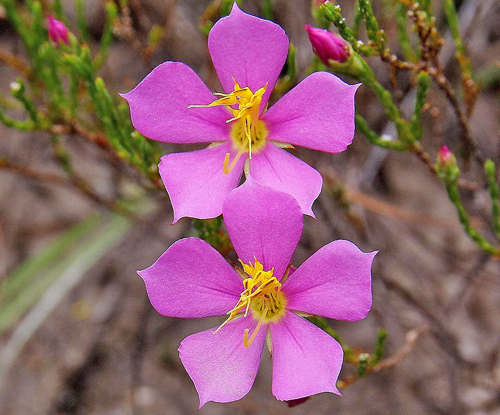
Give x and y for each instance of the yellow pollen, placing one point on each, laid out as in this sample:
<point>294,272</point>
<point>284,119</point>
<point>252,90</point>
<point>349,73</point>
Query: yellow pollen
<point>261,295</point>
<point>248,132</point>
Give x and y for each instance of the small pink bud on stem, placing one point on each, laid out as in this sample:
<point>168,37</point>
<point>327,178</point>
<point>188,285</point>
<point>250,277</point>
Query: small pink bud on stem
<point>446,165</point>
<point>327,45</point>
<point>445,156</point>
<point>58,32</point>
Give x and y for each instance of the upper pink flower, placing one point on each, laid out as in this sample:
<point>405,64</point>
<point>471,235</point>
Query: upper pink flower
<point>172,104</point>
<point>191,280</point>
<point>58,32</point>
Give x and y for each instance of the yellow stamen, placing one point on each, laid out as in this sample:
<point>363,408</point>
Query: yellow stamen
<point>261,295</point>
<point>246,341</point>
<point>249,132</point>
<point>227,169</point>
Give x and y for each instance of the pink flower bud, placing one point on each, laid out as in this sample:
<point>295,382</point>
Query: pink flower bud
<point>58,32</point>
<point>445,156</point>
<point>327,46</point>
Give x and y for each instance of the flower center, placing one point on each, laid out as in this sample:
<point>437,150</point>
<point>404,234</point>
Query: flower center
<point>248,133</point>
<point>262,295</point>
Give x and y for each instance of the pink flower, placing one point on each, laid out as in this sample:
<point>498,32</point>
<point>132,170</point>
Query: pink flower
<point>327,45</point>
<point>445,157</point>
<point>263,300</point>
<point>172,104</point>
<point>58,32</point>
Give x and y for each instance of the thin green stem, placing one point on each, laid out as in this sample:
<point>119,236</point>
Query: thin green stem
<point>491,175</point>
<point>454,195</point>
<point>423,85</point>
<point>375,139</point>
<point>402,33</point>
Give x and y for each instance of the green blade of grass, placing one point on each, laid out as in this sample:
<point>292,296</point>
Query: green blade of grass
<point>81,248</point>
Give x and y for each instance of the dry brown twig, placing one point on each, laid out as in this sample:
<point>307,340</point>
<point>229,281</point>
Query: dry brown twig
<point>15,62</point>
<point>99,139</point>
<point>76,183</point>
<point>383,208</point>
<point>431,43</point>
<point>411,339</point>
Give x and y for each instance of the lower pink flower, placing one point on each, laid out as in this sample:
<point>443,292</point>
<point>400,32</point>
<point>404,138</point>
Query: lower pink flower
<point>262,300</point>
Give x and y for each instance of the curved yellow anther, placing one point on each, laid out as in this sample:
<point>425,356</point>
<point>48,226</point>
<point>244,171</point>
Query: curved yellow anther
<point>248,132</point>
<point>226,167</point>
<point>248,341</point>
<point>262,296</point>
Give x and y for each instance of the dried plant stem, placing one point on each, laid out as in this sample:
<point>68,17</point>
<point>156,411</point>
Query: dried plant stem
<point>411,339</point>
<point>99,139</point>
<point>424,156</point>
<point>75,183</point>
<point>446,87</point>
<point>126,31</point>
<point>15,62</point>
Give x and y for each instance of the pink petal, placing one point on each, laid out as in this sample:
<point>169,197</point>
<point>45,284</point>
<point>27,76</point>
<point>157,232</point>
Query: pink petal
<point>263,223</point>
<point>318,113</point>
<point>335,282</point>
<point>276,168</point>
<point>248,49</point>
<point>195,182</point>
<point>159,107</point>
<point>191,279</point>
<point>306,360</point>
<point>222,369</point>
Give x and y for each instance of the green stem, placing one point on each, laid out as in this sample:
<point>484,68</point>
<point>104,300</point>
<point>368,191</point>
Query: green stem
<point>423,85</point>
<point>453,23</point>
<point>18,90</point>
<point>367,76</point>
<point>379,347</point>
<point>373,31</point>
<point>454,195</point>
<point>402,33</point>
<point>491,175</point>
<point>18,125</point>
<point>107,34</point>
<point>358,18</point>
<point>267,9</point>
<point>375,139</point>
<point>81,20</point>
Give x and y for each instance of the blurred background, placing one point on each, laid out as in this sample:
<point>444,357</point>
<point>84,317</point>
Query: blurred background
<point>77,332</point>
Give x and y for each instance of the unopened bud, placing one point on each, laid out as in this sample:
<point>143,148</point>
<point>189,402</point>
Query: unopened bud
<point>328,46</point>
<point>58,32</point>
<point>445,157</point>
<point>446,165</point>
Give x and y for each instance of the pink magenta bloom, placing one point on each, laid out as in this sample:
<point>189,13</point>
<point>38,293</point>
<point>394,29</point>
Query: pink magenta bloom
<point>172,104</point>
<point>445,156</point>
<point>263,300</point>
<point>58,32</point>
<point>327,45</point>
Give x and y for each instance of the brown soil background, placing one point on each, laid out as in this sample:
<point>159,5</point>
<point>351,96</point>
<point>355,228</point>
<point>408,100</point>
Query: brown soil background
<point>120,358</point>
